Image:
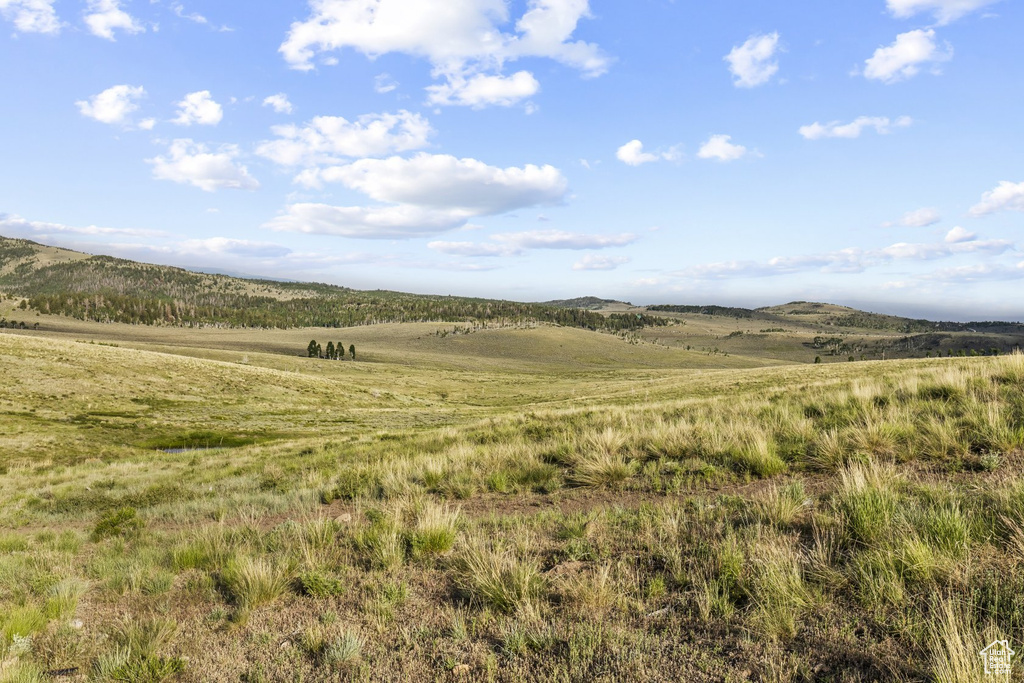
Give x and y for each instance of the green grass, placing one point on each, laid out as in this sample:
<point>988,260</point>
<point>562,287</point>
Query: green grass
<point>533,523</point>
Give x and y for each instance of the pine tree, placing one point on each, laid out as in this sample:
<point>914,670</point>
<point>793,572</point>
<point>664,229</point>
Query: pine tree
<point>340,348</point>
<point>312,349</point>
<point>330,351</point>
<point>352,351</point>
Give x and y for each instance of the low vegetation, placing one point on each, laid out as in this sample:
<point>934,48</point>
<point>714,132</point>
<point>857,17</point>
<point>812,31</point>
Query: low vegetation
<point>851,522</point>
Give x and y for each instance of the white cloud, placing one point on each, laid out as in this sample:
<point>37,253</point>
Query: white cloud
<point>632,153</point>
<point>718,147</point>
<point>595,262</point>
<point>982,272</point>
<point>753,63</point>
<point>958,235</point>
<point>944,11</point>
<point>31,16</point>
<point>16,225</point>
<point>199,107</point>
<point>147,124</point>
<point>480,90</point>
<point>904,58</point>
<point>835,129</point>
<point>1005,196</point>
<point>234,247</point>
<point>383,83</point>
<point>514,244</point>
<point>474,249</point>
<point>371,222</point>
<point>427,194</point>
<point>463,40</point>
<point>113,105</point>
<point>849,260</point>
<point>558,239</point>
<point>329,139</point>
<point>179,10</point>
<point>190,163</point>
<point>445,182</point>
<point>280,103</point>
<point>106,16</point>
<point>921,218</point>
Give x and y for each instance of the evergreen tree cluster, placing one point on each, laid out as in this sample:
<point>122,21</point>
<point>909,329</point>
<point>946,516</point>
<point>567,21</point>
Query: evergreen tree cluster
<point>332,352</point>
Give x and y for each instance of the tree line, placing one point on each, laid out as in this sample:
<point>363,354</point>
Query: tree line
<point>105,289</point>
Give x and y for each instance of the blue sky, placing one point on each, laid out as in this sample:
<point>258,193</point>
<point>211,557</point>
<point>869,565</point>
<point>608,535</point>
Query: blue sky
<point>730,152</point>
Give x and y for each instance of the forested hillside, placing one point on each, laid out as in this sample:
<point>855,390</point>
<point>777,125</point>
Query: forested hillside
<point>105,289</point>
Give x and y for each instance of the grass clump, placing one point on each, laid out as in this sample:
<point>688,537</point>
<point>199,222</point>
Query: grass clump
<point>121,523</point>
<point>319,584</point>
<point>499,579</point>
<point>252,582</point>
<point>435,530</point>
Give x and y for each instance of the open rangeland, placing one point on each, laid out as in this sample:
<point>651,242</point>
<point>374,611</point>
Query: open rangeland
<point>506,505</point>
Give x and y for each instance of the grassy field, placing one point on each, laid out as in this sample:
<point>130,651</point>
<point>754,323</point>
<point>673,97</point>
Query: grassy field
<point>532,503</point>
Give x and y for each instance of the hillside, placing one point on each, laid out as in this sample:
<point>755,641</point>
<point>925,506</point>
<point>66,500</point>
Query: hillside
<point>48,287</point>
<point>106,289</point>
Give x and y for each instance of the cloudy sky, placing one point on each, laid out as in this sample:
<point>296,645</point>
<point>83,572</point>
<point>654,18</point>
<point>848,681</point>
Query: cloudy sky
<point>734,152</point>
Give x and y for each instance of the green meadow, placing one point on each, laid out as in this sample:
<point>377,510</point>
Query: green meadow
<point>513,503</point>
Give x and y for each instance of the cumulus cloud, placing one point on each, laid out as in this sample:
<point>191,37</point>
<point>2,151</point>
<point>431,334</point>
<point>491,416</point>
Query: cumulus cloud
<point>199,107</point>
<point>958,235</point>
<point>754,62</point>
<point>31,16</point>
<point>835,129</point>
<point>18,226</point>
<point>465,43</point>
<point>596,262</point>
<point>904,58</point>
<point>329,139</point>
<point>921,218</point>
<point>103,17</point>
<point>442,181</point>
<point>113,105</point>
<point>632,153</point>
<point>280,103</point>
<point>1005,196</point>
<point>480,90</point>
<point>720,148</point>
<point>188,162</point>
<point>944,11</point>
<point>427,194</point>
<point>850,260</point>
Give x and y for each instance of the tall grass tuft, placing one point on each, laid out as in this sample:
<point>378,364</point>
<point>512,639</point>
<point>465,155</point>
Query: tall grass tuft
<point>601,460</point>
<point>254,582</point>
<point>499,579</point>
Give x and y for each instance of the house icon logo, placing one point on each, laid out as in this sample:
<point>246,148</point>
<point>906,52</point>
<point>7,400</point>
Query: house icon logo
<point>997,658</point>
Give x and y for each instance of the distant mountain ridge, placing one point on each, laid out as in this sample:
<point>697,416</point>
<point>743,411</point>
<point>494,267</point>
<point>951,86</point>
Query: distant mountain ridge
<point>107,289</point>
<point>845,317</point>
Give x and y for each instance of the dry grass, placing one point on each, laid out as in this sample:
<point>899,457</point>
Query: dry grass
<point>598,531</point>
